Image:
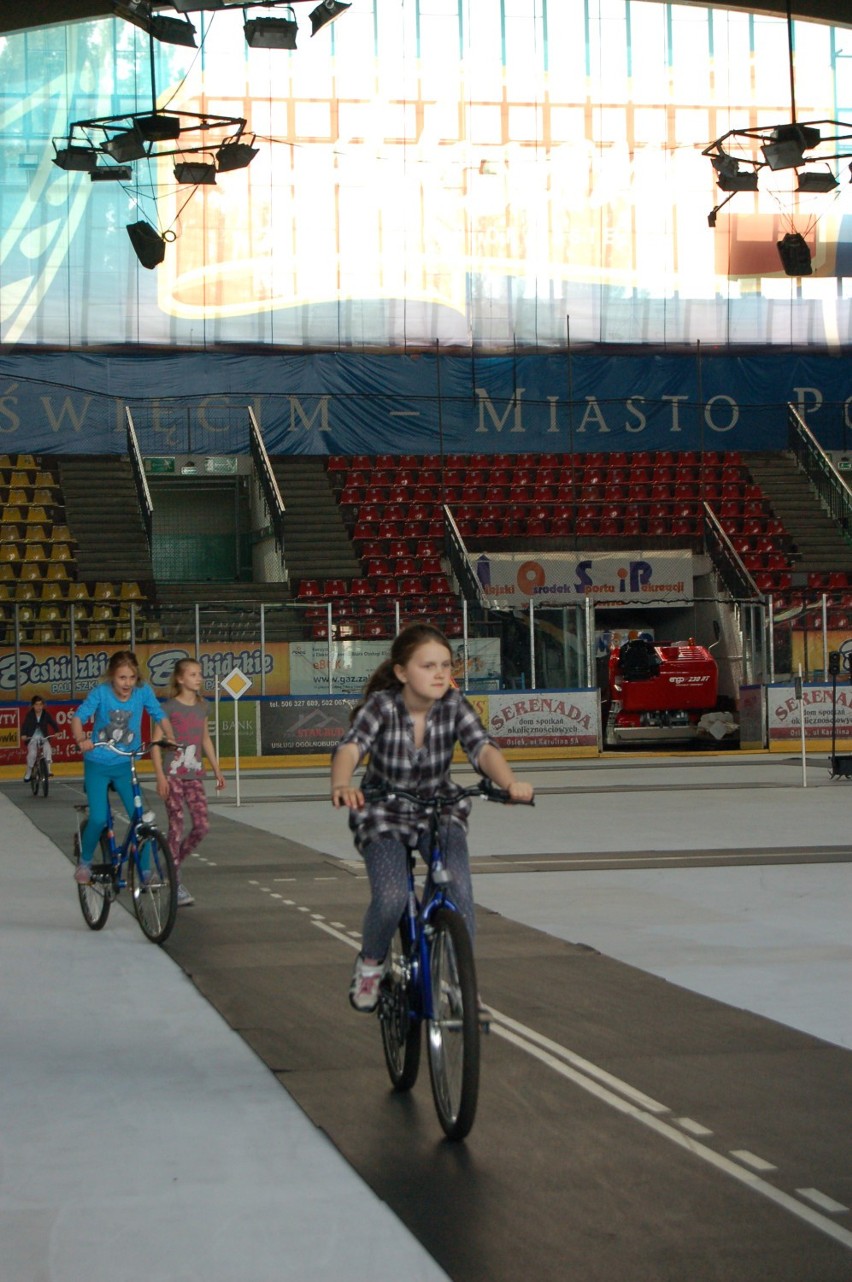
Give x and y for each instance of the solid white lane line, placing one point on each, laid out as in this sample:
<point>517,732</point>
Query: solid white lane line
<point>584,1065</point>
<point>495,863</point>
<point>669,1132</point>
<point>694,1128</point>
<point>336,934</point>
<point>822,1200</point>
<point>751,1159</point>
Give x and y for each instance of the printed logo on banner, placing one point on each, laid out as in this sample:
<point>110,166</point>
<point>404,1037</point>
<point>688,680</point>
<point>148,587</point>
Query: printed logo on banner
<point>559,579</point>
<point>554,719</point>
<point>303,725</point>
<point>9,728</point>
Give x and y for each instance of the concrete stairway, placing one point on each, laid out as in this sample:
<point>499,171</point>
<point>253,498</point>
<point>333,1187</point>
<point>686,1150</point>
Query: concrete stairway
<point>316,542</point>
<point>103,515</point>
<point>228,612</point>
<point>819,542</point>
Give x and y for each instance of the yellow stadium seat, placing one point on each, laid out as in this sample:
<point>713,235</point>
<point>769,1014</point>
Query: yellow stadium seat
<point>26,591</point>
<point>52,591</point>
<point>7,572</point>
<point>41,494</point>
<point>18,496</point>
<point>46,479</point>
<point>34,552</point>
<point>50,614</point>
<point>14,514</point>
<point>99,633</point>
<point>10,533</point>
<point>78,592</point>
<point>56,572</point>
<point>36,534</point>
<point>24,461</point>
<point>20,477</point>
<point>61,552</point>
<point>62,534</point>
<point>35,512</point>
<point>131,592</point>
<point>29,572</point>
<point>104,592</point>
<point>9,553</point>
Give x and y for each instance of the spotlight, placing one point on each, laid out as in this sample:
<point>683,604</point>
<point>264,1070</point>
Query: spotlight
<point>817,182</point>
<point>157,127</point>
<point>271,33</point>
<point>125,145</point>
<point>234,155</point>
<point>171,31</point>
<point>195,172</point>
<point>744,180</point>
<point>111,174</point>
<point>196,6</point>
<point>325,13</point>
<point>75,159</point>
<point>148,245</point>
<point>795,255</point>
<point>136,11</point>
<point>786,145</point>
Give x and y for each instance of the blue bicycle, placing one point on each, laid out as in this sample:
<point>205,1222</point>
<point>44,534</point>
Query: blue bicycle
<point>142,861</point>
<point>431,978</point>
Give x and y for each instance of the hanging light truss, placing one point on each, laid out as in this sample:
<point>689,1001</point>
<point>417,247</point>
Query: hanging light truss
<point>812,149</point>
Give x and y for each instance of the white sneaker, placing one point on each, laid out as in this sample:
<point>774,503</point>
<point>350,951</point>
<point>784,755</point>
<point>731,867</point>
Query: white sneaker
<point>184,898</point>
<point>364,989</point>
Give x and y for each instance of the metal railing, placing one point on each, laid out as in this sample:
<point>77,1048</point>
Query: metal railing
<point>733,575</point>
<point>832,491</point>
<point>138,468</point>
<point>268,483</point>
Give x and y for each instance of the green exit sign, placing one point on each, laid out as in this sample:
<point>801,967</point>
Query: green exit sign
<point>160,466</point>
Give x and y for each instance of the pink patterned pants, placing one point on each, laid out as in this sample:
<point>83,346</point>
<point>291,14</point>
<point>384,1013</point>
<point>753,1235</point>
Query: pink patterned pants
<point>187,792</point>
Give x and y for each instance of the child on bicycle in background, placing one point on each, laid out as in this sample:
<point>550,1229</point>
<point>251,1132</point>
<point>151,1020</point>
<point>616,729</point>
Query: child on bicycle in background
<point>38,724</point>
<point>409,721</point>
<point>187,710</point>
<point>115,708</point>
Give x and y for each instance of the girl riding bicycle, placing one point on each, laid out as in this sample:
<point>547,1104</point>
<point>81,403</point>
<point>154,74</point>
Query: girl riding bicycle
<point>38,724</point>
<point>116,707</point>
<point>409,722</point>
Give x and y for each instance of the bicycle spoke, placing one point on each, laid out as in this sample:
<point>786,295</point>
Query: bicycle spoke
<point>453,1037</point>
<point>153,884</point>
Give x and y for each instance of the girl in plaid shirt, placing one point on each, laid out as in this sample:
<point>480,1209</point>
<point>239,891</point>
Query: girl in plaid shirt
<point>409,723</point>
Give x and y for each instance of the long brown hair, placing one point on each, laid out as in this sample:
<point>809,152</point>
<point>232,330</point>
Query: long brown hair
<point>404,645</point>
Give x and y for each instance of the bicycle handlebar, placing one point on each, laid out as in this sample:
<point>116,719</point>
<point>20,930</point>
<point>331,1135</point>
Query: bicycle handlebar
<point>485,788</point>
<point>143,748</point>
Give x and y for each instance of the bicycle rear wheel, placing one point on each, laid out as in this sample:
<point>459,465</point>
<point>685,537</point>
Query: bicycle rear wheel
<point>453,1030</point>
<point>153,885</point>
<point>400,1031</point>
<point>96,896</point>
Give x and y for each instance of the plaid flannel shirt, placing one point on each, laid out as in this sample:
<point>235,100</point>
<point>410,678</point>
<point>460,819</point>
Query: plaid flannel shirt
<point>383,728</point>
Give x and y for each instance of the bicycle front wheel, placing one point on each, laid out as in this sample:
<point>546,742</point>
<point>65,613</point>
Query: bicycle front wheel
<point>153,885</point>
<point>400,1030</point>
<point>44,775</point>
<point>453,1030</point>
<point>95,896</point>
<point>34,778</point>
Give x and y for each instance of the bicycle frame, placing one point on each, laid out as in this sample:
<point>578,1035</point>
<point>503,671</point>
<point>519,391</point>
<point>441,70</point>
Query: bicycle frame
<point>421,909</point>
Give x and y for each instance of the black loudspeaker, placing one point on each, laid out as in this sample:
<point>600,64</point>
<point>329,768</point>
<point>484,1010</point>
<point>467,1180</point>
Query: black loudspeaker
<point>148,245</point>
<point>795,255</point>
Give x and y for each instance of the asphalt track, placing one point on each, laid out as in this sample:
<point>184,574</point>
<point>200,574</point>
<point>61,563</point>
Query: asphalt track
<point>627,1128</point>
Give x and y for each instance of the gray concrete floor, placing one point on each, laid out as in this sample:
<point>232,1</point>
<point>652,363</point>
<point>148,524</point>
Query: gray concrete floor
<point>140,1138</point>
